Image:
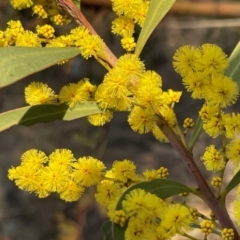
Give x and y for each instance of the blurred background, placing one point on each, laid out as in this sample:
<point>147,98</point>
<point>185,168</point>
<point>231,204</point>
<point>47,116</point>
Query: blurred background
<point>25,217</point>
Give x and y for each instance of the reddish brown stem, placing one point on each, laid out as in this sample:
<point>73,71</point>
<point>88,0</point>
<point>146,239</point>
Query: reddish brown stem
<point>79,18</point>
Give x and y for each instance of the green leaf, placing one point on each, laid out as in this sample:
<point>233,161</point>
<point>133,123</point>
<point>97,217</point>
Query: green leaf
<point>232,184</point>
<point>163,188</point>
<point>19,62</point>
<point>157,10</point>
<point>45,113</point>
<point>118,232</point>
<point>196,133</point>
<point>107,230</point>
<point>233,70</point>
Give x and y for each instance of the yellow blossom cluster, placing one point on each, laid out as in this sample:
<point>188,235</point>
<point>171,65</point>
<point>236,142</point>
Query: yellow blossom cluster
<point>227,234</point>
<point>213,159</point>
<point>188,123</point>
<point>160,219</point>
<point>162,172</point>
<point>202,70</point>
<point>126,87</point>
<point>88,44</point>
<point>60,170</point>
<point>129,13</point>
<point>216,182</point>
<point>207,226</point>
<point>40,93</point>
<point>43,9</point>
<point>129,87</point>
<point>62,173</point>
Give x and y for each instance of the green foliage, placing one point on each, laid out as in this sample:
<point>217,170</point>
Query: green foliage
<point>45,113</point>
<point>157,10</point>
<point>106,229</point>
<point>232,184</point>
<point>196,133</point>
<point>19,62</point>
<point>163,188</point>
<point>118,232</point>
<point>233,70</point>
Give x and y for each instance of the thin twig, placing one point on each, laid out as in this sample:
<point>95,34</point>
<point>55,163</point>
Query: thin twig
<point>72,10</point>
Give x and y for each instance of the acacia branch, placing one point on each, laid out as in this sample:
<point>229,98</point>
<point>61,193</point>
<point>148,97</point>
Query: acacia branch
<point>218,209</point>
